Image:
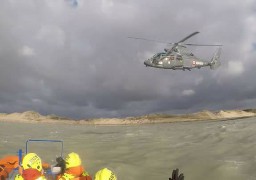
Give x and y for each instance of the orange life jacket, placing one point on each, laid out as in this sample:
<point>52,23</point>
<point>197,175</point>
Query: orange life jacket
<point>75,173</point>
<point>31,174</point>
<point>7,165</point>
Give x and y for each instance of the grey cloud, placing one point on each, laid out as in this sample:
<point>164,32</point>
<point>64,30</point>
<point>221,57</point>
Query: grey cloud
<point>83,65</point>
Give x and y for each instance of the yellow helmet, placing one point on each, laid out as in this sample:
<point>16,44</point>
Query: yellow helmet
<point>72,160</point>
<point>18,177</point>
<point>32,160</point>
<point>105,174</point>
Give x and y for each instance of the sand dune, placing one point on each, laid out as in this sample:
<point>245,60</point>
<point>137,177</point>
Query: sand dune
<point>35,117</point>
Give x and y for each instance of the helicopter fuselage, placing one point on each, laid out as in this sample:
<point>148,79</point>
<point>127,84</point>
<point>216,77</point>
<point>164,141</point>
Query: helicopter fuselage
<point>175,61</point>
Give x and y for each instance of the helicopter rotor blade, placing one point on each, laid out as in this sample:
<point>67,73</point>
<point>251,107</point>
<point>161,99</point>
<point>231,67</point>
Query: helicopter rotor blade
<point>189,36</point>
<point>203,44</point>
<point>180,42</point>
<point>152,40</point>
<point>177,43</point>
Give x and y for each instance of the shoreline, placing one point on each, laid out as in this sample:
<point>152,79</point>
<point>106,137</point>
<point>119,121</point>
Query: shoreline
<point>223,115</point>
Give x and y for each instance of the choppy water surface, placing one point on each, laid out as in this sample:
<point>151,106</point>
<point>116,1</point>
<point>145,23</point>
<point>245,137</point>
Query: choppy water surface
<point>202,150</point>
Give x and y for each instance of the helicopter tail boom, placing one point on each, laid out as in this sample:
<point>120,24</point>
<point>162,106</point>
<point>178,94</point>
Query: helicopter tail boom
<point>215,61</point>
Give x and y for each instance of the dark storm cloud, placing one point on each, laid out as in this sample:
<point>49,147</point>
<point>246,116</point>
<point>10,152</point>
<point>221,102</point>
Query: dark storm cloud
<point>73,58</point>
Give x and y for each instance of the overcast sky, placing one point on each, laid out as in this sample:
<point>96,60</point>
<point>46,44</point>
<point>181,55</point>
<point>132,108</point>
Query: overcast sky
<point>73,58</point>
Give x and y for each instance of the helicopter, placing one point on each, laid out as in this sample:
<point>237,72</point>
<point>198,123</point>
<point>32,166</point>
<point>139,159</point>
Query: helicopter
<point>179,58</point>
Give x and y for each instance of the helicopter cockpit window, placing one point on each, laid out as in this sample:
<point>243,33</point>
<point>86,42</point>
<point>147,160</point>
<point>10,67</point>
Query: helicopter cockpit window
<point>175,50</point>
<point>179,57</point>
<point>158,55</point>
<point>157,58</point>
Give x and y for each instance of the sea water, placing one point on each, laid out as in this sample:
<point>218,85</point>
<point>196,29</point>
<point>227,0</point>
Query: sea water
<point>212,150</point>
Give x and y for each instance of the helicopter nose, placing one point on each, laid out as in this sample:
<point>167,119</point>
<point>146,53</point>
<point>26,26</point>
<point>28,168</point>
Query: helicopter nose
<point>146,63</point>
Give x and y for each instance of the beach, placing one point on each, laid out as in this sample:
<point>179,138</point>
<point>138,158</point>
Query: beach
<point>35,117</point>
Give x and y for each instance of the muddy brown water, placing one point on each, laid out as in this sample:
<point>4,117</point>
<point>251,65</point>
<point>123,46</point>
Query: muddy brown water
<point>212,150</point>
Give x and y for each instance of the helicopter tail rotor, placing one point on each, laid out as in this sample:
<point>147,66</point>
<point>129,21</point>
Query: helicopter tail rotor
<point>215,61</point>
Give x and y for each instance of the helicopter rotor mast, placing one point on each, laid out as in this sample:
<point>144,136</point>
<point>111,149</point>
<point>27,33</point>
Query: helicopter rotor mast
<point>189,44</point>
<point>181,42</point>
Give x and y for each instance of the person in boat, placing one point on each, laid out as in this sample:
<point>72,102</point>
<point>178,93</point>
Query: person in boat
<point>7,165</point>
<point>31,168</point>
<point>105,174</point>
<point>74,169</point>
<point>176,175</point>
